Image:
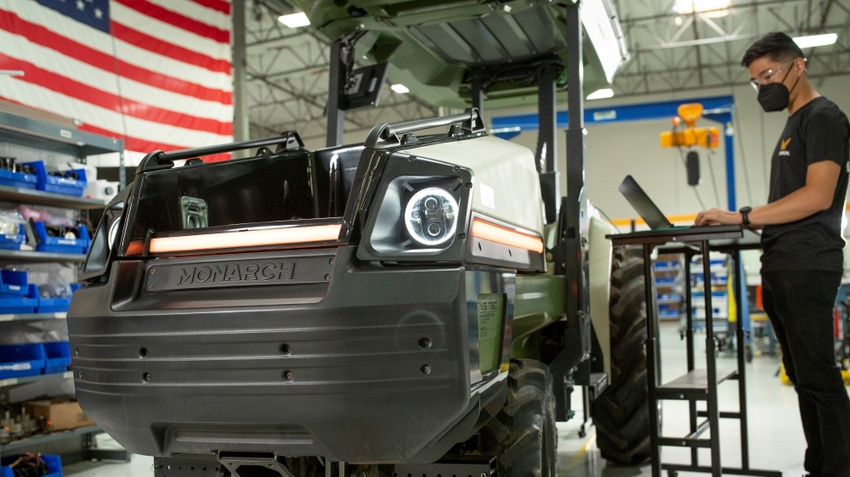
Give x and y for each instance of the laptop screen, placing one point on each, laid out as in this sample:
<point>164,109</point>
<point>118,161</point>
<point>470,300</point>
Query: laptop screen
<point>644,206</point>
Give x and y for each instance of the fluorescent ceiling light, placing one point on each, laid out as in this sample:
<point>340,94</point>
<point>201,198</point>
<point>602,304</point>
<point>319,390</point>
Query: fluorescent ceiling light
<point>816,40</point>
<point>400,88</point>
<point>601,94</point>
<point>603,30</point>
<point>710,8</point>
<point>294,20</point>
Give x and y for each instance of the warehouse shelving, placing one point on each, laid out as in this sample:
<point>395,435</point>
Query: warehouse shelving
<point>39,140</point>
<point>669,283</point>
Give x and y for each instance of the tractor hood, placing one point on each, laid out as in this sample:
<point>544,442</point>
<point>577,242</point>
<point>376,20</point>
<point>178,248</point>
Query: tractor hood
<point>439,48</point>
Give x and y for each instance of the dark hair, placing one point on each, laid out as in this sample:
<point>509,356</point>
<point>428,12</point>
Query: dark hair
<point>777,45</point>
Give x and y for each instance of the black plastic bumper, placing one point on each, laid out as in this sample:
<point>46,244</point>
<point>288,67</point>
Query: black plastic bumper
<point>354,364</point>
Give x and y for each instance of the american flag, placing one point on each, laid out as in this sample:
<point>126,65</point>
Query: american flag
<point>155,73</point>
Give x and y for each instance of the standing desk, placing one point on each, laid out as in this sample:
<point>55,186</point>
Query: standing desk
<point>697,384</point>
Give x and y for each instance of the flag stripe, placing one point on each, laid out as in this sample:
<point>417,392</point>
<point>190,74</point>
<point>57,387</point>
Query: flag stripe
<point>217,5</point>
<point>196,10</point>
<point>186,23</point>
<point>136,144</point>
<point>83,53</point>
<point>164,48</point>
<point>173,84</point>
<point>48,100</point>
<point>50,60</point>
<point>98,97</point>
<point>170,33</point>
<point>153,62</point>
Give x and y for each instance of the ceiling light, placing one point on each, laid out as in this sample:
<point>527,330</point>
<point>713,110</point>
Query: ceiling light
<point>400,88</point>
<point>812,41</point>
<point>709,8</point>
<point>601,94</point>
<point>603,30</point>
<point>294,20</point>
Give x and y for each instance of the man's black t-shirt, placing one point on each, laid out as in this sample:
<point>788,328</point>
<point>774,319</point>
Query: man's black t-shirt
<point>818,131</point>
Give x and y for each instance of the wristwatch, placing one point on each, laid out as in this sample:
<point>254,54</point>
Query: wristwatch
<point>745,215</point>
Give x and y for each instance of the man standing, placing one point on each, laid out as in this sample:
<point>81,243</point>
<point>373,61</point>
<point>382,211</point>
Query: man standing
<point>802,259</point>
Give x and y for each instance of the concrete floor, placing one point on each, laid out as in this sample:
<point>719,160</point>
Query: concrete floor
<point>776,439</point>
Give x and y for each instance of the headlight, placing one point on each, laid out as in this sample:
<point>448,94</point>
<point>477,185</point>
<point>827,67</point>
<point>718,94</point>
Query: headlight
<point>430,216</point>
<point>418,217</point>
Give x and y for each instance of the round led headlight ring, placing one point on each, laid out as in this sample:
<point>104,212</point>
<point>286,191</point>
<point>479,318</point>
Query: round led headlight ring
<point>430,216</point>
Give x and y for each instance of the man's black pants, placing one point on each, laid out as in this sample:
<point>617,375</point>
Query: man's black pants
<point>799,305</point>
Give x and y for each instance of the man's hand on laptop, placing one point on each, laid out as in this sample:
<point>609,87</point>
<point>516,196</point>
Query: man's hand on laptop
<point>718,217</point>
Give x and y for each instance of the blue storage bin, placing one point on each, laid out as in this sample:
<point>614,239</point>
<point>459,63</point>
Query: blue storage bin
<point>666,265</point>
<point>64,184</point>
<point>21,360</point>
<point>13,304</point>
<point>54,464</point>
<point>13,283</point>
<point>14,241</point>
<point>18,179</point>
<point>47,243</point>
<point>57,357</point>
<point>54,305</point>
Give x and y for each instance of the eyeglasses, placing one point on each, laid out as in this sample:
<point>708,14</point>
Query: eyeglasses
<point>765,76</point>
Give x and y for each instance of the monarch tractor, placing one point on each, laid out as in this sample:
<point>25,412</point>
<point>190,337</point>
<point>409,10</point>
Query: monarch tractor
<point>415,304</point>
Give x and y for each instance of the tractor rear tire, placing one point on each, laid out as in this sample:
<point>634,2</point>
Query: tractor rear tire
<point>621,413</point>
<point>524,434</point>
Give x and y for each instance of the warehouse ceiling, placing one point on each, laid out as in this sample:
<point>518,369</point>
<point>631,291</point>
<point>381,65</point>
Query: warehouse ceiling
<point>287,69</point>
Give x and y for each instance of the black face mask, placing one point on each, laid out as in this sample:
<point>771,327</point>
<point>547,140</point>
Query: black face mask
<point>775,96</point>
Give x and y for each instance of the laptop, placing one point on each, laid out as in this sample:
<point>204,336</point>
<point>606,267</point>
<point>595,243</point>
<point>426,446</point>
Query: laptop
<point>652,215</point>
<point>643,205</point>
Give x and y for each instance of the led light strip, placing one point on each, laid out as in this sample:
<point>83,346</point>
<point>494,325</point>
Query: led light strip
<point>246,238</point>
<point>495,233</point>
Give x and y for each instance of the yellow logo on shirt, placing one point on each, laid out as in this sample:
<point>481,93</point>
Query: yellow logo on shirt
<point>783,145</point>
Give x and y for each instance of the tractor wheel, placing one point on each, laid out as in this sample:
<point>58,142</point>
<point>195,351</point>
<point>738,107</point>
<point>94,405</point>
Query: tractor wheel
<point>621,413</point>
<point>523,434</point>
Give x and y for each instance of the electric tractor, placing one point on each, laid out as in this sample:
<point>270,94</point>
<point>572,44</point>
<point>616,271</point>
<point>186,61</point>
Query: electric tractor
<point>422,303</point>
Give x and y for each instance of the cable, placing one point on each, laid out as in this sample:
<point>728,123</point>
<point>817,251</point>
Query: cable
<point>748,187</point>
<point>714,181</point>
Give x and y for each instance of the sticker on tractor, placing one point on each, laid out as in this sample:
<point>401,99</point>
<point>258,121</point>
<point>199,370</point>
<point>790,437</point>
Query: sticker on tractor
<point>490,318</point>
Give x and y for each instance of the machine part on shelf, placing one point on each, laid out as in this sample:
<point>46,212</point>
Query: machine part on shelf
<point>621,413</point>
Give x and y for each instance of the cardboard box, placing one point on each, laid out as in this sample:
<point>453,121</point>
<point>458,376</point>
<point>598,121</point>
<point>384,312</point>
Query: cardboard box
<point>58,414</point>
